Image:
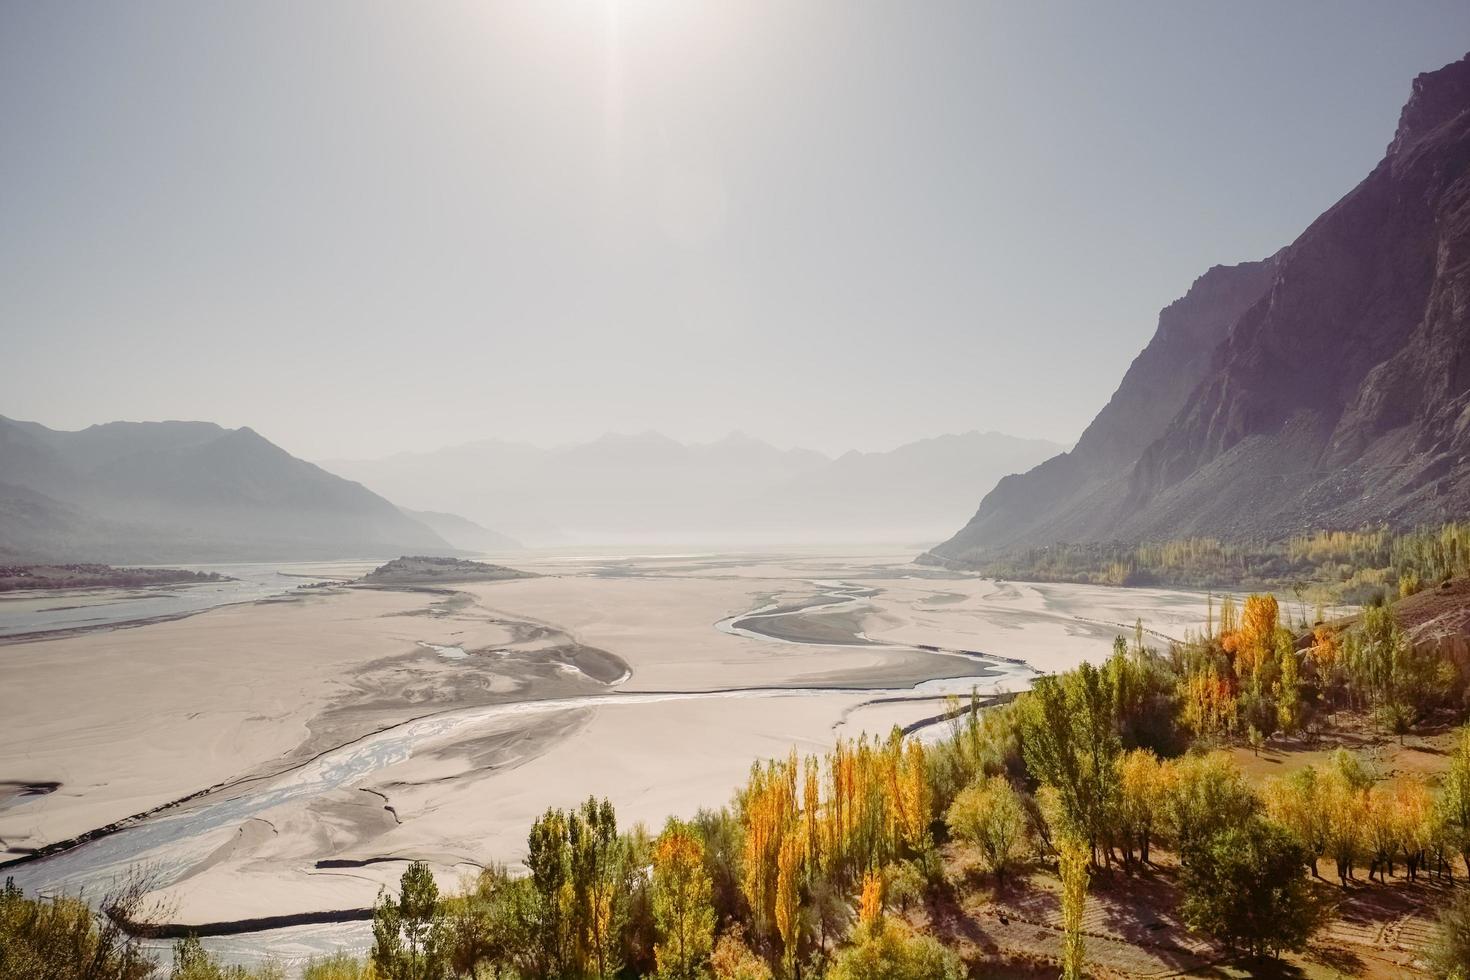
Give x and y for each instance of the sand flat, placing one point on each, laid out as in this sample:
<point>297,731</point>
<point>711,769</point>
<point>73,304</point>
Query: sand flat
<point>129,720</point>
<point>607,676</point>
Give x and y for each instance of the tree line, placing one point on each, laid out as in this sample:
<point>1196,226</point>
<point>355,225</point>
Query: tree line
<point>1360,566</point>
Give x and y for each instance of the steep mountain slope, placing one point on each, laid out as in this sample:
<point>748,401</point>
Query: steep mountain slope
<point>1338,397</point>
<point>1056,500</point>
<point>35,526</point>
<point>179,491</point>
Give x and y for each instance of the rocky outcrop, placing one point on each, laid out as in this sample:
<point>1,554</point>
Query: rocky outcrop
<point>431,570</point>
<point>1337,395</point>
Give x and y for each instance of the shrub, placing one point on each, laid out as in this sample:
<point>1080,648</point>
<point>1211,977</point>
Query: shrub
<point>193,962</point>
<point>990,816</point>
<point>888,950</point>
<point>63,939</point>
<point>1245,886</point>
<point>338,966</point>
<point>734,960</point>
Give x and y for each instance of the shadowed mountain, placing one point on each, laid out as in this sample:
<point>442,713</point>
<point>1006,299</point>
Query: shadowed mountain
<point>184,491</point>
<point>1326,387</point>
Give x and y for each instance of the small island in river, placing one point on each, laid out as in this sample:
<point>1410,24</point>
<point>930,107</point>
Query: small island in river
<point>424,570</point>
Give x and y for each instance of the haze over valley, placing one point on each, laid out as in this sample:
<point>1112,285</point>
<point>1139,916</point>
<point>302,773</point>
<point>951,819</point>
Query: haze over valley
<point>734,491</point>
<point>646,488</point>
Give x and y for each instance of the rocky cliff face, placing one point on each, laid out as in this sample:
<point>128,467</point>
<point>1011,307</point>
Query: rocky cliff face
<point>1330,385</point>
<point>1061,498</point>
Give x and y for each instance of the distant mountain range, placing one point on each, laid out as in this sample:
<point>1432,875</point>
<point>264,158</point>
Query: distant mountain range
<point>648,487</point>
<point>464,534</point>
<point>1325,387</point>
<point>151,492</point>
<point>185,491</point>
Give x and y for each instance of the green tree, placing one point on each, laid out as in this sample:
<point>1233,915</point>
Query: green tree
<point>549,917</point>
<point>1289,708</point>
<point>1393,676</point>
<point>989,815</point>
<point>1244,885</point>
<point>598,883</point>
<point>1205,793</point>
<point>410,935</point>
<point>488,923</point>
<point>1071,743</point>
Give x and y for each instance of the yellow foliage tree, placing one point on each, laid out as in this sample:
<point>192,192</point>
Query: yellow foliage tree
<point>788,900</point>
<point>1142,785</point>
<point>915,799</point>
<point>870,906</point>
<point>1210,705</point>
<point>1076,857</point>
<point>768,812</point>
<point>682,903</point>
<point>1413,808</point>
<point>1257,635</point>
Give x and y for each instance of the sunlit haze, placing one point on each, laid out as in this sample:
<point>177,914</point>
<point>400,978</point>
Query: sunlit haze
<point>368,228</point>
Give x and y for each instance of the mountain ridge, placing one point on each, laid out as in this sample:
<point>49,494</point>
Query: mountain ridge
<point>737,487</point>
<point>184,491</point>
<point>1339,396</point>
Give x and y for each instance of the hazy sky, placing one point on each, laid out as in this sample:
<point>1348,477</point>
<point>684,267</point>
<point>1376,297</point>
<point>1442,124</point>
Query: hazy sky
<point>360,228</point>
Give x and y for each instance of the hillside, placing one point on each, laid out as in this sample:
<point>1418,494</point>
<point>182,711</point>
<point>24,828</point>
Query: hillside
<point>1335,387</point>
<point>184,491</point>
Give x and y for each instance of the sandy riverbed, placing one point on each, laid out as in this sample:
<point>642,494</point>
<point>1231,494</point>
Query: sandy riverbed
<point>653,705</point>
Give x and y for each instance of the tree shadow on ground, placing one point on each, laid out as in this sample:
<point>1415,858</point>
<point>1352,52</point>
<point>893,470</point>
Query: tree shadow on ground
<point>1336,958</point>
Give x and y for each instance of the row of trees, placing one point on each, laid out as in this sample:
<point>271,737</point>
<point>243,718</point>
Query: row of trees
<point>1343,814</point>
<point>1342,566</point>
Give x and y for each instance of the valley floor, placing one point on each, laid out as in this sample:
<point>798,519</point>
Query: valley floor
<point>294,753</point>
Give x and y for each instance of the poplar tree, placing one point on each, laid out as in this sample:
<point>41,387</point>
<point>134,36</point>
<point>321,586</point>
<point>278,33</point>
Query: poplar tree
<point>682,906</point>
<point>410,940</point>
<point>1073,864</point>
